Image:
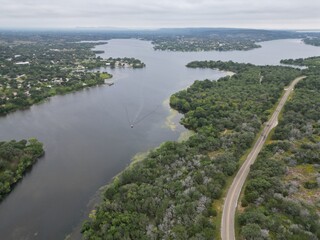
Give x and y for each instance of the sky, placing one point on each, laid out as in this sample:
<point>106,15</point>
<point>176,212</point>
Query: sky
<point>266,14</point>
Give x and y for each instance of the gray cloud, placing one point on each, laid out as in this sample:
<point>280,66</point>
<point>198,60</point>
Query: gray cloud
<point>164,13</point>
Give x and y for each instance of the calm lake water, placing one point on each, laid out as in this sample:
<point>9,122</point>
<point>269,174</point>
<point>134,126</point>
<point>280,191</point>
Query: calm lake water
<point>87,134</point>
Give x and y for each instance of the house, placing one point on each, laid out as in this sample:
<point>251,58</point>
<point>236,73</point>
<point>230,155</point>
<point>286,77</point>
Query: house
<point>22,63</point>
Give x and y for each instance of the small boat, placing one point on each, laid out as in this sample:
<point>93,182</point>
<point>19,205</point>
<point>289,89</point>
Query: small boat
<point>109,83</point>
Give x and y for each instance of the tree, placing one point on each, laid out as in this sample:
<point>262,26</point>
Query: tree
<point>252,232</point>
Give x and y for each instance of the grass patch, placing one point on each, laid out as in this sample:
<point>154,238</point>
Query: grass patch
<point>184,136</point>
<point>105,75</point>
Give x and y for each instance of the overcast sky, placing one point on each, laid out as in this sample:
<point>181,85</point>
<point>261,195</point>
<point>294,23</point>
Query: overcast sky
<point>270,14</point>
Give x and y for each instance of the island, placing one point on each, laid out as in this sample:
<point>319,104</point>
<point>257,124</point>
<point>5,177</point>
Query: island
<point>15,159</point>
<point>124,63</point>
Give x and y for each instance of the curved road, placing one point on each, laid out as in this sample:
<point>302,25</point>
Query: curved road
<point>231,200</point>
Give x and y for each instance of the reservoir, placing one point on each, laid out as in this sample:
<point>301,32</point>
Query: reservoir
<point>87,134</point>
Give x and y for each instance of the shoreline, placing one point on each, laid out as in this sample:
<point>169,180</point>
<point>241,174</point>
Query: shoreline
<point>97,198</point>
<point>172,121</point>
<point>173,118</point>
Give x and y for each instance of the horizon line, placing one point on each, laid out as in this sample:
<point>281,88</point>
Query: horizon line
<point>108,28</point>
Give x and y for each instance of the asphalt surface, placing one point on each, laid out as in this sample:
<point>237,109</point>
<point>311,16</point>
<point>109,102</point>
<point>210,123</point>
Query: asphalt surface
<point>231,200</point>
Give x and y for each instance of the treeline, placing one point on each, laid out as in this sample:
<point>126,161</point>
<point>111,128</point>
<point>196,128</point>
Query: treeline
<point>124,62</point>
<point>315,41</point>
<point>223,66</point>
<point>311,65</point>
<point>169,194</point>
<point>99,62</point>
<point>15,159</point>
<point>309,62</point>
<point>281,197</point>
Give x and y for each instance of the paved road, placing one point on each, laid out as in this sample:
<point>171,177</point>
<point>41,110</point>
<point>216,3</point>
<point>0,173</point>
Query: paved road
<point>231,201</point>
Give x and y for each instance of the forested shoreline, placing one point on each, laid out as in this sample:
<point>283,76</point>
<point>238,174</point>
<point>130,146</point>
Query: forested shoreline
<point>15,159</point>
<point>169,194</point>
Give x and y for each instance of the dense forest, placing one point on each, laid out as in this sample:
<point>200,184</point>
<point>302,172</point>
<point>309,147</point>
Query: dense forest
<point>281,197</point>
<point>15,159</point>
<point>169,194</point>
<point>314,40</point>
<point>311,63</point>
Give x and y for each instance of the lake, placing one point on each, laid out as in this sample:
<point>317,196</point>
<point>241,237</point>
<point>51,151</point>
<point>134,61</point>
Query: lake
<point>87,135</point>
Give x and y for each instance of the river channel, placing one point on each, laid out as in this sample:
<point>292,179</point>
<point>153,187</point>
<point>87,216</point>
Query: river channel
<point>88,138</point>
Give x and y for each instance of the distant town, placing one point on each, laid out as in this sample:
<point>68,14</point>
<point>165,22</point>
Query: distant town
<point>32,72</point>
